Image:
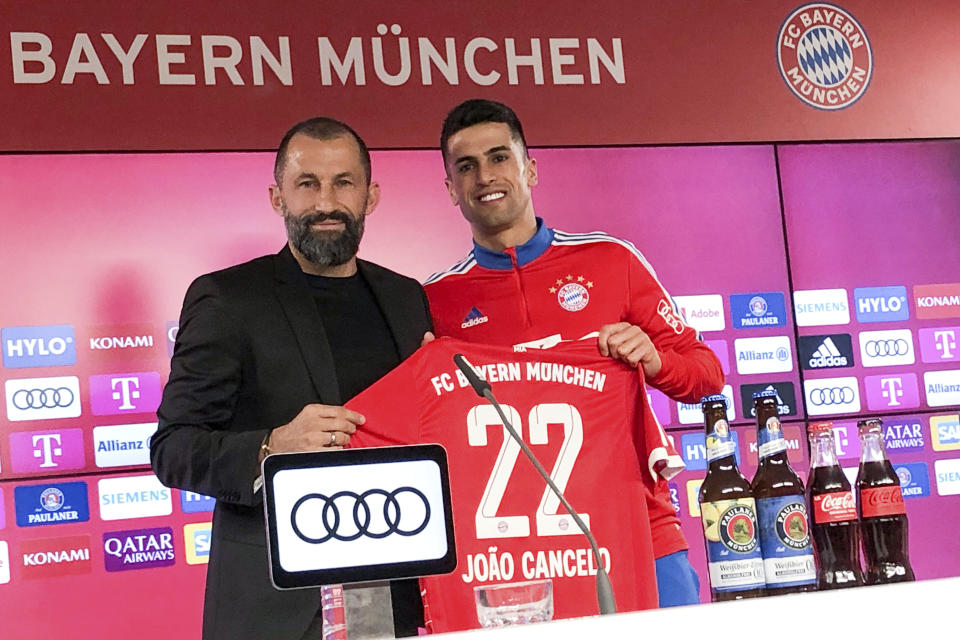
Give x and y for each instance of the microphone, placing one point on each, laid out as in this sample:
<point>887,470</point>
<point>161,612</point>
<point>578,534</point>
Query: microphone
<point>605,598</point>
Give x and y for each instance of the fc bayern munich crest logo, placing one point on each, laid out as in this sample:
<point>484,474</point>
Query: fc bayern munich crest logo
<point>825,57</point>
<point>573,296</point>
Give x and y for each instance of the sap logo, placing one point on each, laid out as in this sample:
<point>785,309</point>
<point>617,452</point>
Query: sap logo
<point>892,392</point>
<point>818,307</point>
<point>43,398</point>
<point>886,348</point>
<point>904,434</point>
<point>948,476</point>
<point>763,355</point>
<point>133,497</point>
<point>674,496</point>
<point>693,450</point>
<point>881,304</point>
<point>914,479</point>
<point>46,558</point>
<point>832,351</point>
<point>191,502</point>
<point>121,445</point>
<point>945,431</point>
<point>138,549</point>
<point>693,413</point>
<point>785,394</point>
<point>196,540</point>
<point>703,313</point>
<point>39,452</point>
<point>121,393</point>
<point>46,504</point>
<point>942,387</point>
<point>43,346</point>
<point>940,344</point>
<point>758,310</point>
<point>937,300</point>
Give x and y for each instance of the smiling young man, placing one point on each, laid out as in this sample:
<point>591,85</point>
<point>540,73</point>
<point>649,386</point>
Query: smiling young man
<point>524,282</point>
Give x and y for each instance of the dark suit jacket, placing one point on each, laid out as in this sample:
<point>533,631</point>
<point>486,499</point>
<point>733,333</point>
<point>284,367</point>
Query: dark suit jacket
<point>250,354</point>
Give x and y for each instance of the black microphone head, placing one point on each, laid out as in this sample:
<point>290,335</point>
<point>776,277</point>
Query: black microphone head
<point>476,380</point>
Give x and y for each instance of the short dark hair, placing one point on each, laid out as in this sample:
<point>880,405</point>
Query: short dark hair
<point>320,128</point>
<point>479,111</point>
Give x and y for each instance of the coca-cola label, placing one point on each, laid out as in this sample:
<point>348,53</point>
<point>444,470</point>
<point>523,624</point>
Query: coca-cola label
<point>882,501</point>
<point>834,507</point>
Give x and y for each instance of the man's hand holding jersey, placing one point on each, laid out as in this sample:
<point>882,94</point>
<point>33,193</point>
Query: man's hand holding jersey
<point>629,343</point>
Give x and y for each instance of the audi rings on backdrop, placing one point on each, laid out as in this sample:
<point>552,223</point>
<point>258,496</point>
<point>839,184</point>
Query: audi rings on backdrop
<point>391,522</point>
<point>831,395</point>
<point>48,398</point>
<point>889,347</point>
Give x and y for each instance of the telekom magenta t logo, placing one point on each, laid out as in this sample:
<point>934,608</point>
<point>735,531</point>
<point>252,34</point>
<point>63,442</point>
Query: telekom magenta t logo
<point>892,391</point>
<point>35,452</point>
<point>125,393</point>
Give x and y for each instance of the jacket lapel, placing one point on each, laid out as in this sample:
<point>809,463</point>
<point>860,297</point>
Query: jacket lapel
<point>394,308</point>
<point>301,313</point>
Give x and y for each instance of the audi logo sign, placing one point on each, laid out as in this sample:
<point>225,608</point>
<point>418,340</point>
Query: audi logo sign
<point>42,398</point>
<point>358,515</point>
<point>827,396</point>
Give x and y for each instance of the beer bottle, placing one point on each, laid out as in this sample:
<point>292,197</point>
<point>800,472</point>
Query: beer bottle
<point>728,512</point>
<point>833,514</point>
<point>883,518</point>
<point>781,507</point>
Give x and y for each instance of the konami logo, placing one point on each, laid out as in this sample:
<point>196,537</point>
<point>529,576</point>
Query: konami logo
<point>937,300</point>
<point>46,558</point>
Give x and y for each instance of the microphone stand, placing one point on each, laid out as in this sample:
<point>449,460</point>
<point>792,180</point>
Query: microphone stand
<point>605,598</point>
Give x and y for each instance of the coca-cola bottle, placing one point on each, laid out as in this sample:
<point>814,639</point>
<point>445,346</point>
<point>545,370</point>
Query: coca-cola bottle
<point>883,518</point>
<point>781,507</point>
<point>728,512</point>
<point>833,514</point>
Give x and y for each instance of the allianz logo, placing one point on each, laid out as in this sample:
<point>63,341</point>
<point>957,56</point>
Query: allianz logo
<point>827,355</point>
<point>748,355</point>
<point>121,342</point>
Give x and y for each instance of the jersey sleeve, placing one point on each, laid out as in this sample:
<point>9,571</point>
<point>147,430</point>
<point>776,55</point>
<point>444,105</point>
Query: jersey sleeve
<point>652,444</point>
<point>690,370</point>
<point>391,407</point>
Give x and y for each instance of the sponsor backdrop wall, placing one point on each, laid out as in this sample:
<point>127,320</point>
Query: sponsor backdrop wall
<point>825,271</point>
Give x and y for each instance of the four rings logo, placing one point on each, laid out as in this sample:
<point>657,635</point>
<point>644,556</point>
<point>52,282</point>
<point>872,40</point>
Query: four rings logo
<point>832,395</point>
<point>824,56</point>
<point>43,398</point>
<point>886,348</point>
<point>375,518</point>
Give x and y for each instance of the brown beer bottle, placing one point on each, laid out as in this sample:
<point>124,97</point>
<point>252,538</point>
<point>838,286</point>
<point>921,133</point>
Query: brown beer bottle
<point>833,514</point>
<point>781,507</point>
<point>883,517</point>
<point>728,512</point>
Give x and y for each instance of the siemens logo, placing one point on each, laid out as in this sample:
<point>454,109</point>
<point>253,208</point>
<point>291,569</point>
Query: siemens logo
<point>948,476</point>
<point>881,304</point>
<point>133,497</point>
<point>819,307</point>
<point>43,346</point>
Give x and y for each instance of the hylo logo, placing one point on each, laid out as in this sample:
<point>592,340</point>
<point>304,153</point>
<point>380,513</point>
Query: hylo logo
<point>824,56</point>
<point>44,346</point>
<point>881,304</point>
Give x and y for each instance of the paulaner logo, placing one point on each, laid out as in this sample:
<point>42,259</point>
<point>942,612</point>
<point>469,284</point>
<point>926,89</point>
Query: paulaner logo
<point>824,56</point>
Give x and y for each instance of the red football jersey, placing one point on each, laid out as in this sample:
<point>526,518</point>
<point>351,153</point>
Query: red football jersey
<point>579,413</point>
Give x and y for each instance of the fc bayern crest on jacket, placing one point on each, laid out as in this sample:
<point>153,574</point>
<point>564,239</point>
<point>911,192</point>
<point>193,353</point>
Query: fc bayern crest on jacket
<point>572,292</point>
<point>824,55</point>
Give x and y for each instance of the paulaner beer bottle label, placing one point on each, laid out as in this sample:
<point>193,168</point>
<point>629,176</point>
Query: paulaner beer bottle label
<point>770,438</point>
<point>733,551</point>
<point>720,442</point>
<point>785,541</point>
